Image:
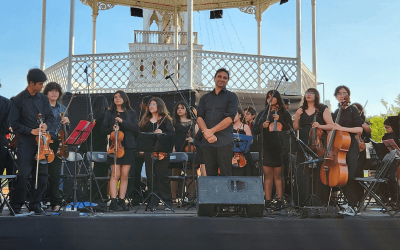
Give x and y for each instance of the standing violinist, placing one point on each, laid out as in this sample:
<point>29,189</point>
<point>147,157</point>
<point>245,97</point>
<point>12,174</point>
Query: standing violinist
<point>5,106</point>
<point>311,115</point>
<point>362,139</point>
<point>127,123</point>
<point>239,127</point>
<point>351,122</point>
<point>273,145</point>
<point>183,126</point>
<point>25,108</point>
<point>157,120</point>
<point>53,91</point>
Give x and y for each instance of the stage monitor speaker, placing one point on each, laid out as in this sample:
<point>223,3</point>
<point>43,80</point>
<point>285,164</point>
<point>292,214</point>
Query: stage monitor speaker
<point>215,14</point>
<point>136,12</point>
<point>230,195</point>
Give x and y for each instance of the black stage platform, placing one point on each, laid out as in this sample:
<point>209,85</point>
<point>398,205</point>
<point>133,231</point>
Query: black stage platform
<point>184,230</point>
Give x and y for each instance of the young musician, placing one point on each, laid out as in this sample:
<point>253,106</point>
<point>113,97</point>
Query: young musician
<point>183,128</point>
<point>216,112</point>
<point>136,171</point>
<point>128,124</point>
<point>362,139</point>
<point>24,120</point>
<point>157,120</point>
<point>239,127</point>
<point>250,115</point>
<point>54,92</point>
<point>351,122</point>
<point>304,121</point>
<point>273,148</point>
<point>391,128</point>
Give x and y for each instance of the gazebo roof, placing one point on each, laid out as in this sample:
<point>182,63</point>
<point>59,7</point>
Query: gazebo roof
<point>181,5</point>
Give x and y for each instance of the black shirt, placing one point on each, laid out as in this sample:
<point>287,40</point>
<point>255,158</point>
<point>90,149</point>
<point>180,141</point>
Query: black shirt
<point>306,122</point>
<point>5,106</point>
<point>181,130</point>
<point>25,109</point>
<point>350,118</point>
<point>213,109</point>
<point>166,127</point>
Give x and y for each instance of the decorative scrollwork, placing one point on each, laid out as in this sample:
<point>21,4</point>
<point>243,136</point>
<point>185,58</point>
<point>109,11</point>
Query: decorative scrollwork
<point>100,5</point>
<point>249,10</point>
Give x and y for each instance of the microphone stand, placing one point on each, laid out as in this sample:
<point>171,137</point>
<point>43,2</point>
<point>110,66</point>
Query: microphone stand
<point>91,142</point>
<point>194,122</point>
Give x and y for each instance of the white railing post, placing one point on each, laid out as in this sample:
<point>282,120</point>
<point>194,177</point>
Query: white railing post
<point>71,43</point>
<point>190,44</point>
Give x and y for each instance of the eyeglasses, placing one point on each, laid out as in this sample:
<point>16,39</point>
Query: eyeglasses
<point>153,104</point>
<point>309,93</point>
<point>387,127</point>
<point>342,94</point>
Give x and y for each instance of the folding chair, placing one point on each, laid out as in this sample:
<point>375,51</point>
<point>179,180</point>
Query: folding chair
<point>99,157</point>
<point>180,157</point>
<point>5,180</point>
<point>371,184</point>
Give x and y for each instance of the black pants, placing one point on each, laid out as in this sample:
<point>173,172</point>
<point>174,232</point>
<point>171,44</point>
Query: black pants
<point>218,157</point>
<point>54,177</point>
<point>134,184</point>
<point>350,190</point>
<point>161,183</point>
<point>26,162</point>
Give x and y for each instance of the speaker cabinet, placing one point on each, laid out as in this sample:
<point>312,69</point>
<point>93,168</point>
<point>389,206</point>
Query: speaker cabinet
<point>136,12</point>
<point>215,14</point>
<point>230,195</point>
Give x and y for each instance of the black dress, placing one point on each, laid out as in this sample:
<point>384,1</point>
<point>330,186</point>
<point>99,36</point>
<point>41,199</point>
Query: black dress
<point>304,181</point>
<point>350,118</point>
<point>128,127</point>
<point>181,130</point>
<point>160,183</point>
<point>274,154</point>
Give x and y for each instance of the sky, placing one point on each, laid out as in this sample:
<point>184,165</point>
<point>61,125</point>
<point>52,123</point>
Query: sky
<point>357,40</point>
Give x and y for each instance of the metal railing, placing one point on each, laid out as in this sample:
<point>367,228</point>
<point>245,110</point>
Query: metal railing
<point>161,37</point>
<point>146,71</point>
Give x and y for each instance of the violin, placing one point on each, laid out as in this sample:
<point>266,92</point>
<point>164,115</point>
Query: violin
<point>361,142</point>
<point>239,159</point>
<point>116,149</point>
<point>160,155</point>
<point>275,126</point>
<point>189,147</point>
<point>63,150</point>
<point>44,153</point>
<point>315,136</point>
<point>334,169</point>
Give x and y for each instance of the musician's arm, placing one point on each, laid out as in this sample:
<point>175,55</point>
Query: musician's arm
<point>132,125</point>
<point>15,115</point>
<point>328,120</point>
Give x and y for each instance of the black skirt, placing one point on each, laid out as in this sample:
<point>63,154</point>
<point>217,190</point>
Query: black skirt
<point>273,151</point>
<point>127,159</point>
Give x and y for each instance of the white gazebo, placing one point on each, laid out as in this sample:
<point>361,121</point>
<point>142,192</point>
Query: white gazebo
<point>174,49</point>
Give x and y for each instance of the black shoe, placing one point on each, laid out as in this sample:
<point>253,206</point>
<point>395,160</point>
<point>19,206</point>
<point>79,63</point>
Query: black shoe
<point>121,203</point>
<point>16,211</point>
<point>39,211</point>
<point>278,205</point>
<point>268,204</point>
<point>114,206</point>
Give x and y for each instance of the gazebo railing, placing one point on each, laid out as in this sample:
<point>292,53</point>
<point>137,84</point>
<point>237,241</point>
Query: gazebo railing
<point>146,71</point>
<point>161,37</point>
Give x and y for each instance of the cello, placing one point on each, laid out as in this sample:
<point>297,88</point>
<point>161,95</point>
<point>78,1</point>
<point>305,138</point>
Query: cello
<point>334,169</point>
<point>315,136</point>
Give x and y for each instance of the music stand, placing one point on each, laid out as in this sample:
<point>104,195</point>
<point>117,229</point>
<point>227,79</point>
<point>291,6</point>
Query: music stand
<point>76,138</point>
<point>241,143</point>
<point>390,145</point>
<point>149,143</point>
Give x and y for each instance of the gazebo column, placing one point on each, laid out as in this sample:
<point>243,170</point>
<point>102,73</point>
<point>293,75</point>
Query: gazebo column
<point>42,45</point>
<point>190,44</point>
<point>258,19</point>
<point>95,13</point>
<point>314,40</point>
<point>298,44</point>
<point>71,44</point>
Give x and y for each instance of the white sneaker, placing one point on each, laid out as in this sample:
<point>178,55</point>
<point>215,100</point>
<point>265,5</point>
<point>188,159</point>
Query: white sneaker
<point>348,211</point>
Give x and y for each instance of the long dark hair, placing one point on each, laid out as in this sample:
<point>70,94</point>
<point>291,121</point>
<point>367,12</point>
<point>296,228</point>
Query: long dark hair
<point>126,105</point>
<point>176,118</point>
<point>100,106</point>
<point>161,110</point>
<point>361,110</point>
<point>317,103</point>
<point>278,97</point>
<point>53,86</point>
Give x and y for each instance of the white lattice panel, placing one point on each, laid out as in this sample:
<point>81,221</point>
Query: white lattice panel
<point>146,71</point>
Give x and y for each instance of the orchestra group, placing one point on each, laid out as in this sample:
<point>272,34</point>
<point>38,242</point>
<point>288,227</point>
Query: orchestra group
<point>36,117</point>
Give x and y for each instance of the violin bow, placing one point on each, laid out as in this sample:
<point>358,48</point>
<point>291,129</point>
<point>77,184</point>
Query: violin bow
<point>38,150</point>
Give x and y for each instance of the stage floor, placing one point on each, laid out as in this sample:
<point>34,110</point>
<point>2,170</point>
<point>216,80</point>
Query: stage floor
<point>184,229</point>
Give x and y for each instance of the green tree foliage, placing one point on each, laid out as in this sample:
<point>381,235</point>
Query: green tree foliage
<point>377,128</point>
